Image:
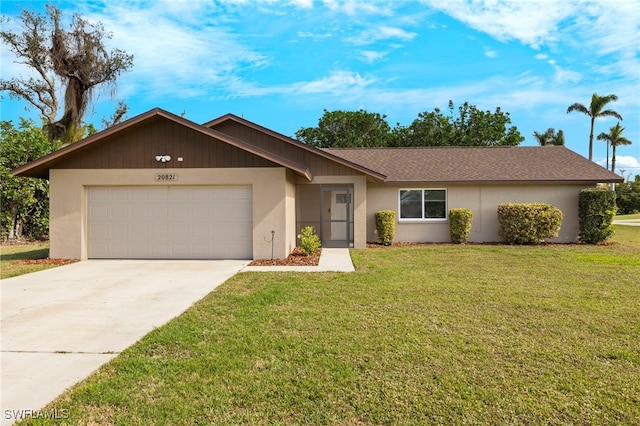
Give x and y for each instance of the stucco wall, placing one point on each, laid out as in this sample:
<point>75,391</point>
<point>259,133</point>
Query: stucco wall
<point>290,206</point>
<point>271,203</point>
<point>483,200</point>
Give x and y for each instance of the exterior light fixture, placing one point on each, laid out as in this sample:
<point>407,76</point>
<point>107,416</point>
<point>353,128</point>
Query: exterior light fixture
<point>163,158</point>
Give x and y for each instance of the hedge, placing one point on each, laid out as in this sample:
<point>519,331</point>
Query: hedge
<point>386,226</point>
<point>460,225</point>
<point>528,223</point>
<point>596,209</point>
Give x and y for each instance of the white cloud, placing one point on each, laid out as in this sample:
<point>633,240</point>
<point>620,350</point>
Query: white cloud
<point>564,75</point>
<point>305,4</point>
<point>526,21</point>
<point>359,7</point>
<point>382,33</point>
<point>312,35</point>
<point>627,162</point>
<point>338,83</point>
<point>607,28</point>
<point>612,29</point>
<point>630,165</point>
<point>490,53</point>
<point>179,48</point>
<point>372,55</point>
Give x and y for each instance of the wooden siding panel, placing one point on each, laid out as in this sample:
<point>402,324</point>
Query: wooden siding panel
<point>137,148</point>
<point>318,166</point>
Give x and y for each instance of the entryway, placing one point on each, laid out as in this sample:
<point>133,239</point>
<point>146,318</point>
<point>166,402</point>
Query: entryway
<point>328,208</point>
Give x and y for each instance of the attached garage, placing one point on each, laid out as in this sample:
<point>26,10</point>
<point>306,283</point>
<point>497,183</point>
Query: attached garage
<point>169,222</point>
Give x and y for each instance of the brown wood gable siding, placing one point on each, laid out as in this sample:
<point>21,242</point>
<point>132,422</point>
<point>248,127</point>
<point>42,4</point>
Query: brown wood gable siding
<point>138,147</point>
<point>318,165</point>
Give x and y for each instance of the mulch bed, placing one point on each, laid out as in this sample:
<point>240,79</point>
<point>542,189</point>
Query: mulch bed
<point>47,261</point>
<point>296,258</point>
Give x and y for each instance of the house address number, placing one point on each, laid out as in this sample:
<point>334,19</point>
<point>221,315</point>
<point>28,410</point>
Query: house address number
<point>166,177</point>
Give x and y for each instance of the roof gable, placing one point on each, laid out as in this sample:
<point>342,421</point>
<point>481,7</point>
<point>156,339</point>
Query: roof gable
<point>320,162</point>
<point>115,146</point>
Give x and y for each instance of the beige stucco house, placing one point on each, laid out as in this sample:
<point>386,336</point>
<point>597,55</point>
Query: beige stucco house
<point>161,186</point>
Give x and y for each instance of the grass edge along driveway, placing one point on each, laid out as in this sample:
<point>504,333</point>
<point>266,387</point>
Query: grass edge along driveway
<point>418,335</point>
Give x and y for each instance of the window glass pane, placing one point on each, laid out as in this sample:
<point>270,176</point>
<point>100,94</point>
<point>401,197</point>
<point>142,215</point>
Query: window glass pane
<point>411,204</point>
<point>435,204</point>
<point>434,195</point>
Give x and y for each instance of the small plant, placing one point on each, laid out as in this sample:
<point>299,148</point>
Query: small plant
<point>528,223</point>
<point>596,209</point>
<point>309,241</point>
<point>460,225</point>
<point>386,226</point>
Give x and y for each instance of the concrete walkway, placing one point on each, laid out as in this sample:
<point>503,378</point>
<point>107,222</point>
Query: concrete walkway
<point>61,324</point>
<point>331,260</point>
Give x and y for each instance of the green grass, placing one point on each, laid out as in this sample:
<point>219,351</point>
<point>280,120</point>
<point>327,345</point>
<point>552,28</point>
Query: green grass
<point>439,334</point>
<point>12,255</point>
<point>627,217</point>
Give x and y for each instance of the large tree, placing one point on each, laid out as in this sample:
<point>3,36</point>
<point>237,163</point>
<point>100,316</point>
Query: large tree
<point>628,196</point>
<point>24,210</point>
<point>595,110</point>
<point>346,129</point>
<point>75,57</point>
<point>468,126</point>
<point>431,128</point>
<point>615,139</point>
<point>549,137</point>
<point>484,128</point>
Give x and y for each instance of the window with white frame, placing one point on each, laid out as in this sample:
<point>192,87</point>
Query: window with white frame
<point>423,204</point>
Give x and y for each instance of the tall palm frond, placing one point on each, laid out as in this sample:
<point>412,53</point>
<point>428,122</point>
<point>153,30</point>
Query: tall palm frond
<point>615,139</point>
<point>595,110</point>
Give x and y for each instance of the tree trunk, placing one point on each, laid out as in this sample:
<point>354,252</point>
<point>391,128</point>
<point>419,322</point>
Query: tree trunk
<point>15,232</point>
<point>593,122</point>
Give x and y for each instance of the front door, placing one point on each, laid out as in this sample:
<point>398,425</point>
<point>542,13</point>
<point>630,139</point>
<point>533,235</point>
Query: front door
<point>336,216</point>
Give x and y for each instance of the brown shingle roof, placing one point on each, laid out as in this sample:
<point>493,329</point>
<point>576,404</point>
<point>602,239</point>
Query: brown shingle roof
<point>548,164</point>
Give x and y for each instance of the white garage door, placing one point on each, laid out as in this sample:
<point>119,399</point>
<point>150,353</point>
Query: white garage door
<point>170,222</point>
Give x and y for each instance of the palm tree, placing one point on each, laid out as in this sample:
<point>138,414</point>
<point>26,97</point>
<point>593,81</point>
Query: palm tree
<point>595,110</point>
<point>550,137</point>
<point>615,138</point>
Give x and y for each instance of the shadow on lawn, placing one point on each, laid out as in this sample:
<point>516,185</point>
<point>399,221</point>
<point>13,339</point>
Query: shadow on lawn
<point>40,253</point>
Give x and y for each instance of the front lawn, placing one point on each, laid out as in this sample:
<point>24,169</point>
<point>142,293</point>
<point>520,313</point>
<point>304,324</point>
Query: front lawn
<point>24,258</point>
<point>438,334</point>
<point>13,258</point>
<point>635,216</point>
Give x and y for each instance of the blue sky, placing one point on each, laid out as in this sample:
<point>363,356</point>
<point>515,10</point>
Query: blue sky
<point>281,63</point>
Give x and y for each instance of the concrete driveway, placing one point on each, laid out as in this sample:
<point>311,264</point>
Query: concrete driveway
<point>61,324</point>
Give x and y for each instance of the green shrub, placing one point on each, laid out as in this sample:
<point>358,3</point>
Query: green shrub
<point>309,241</point>
<point>596,209</point>
<point>528,223</point>
<point>386,226</point>
<point>460,225</point>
